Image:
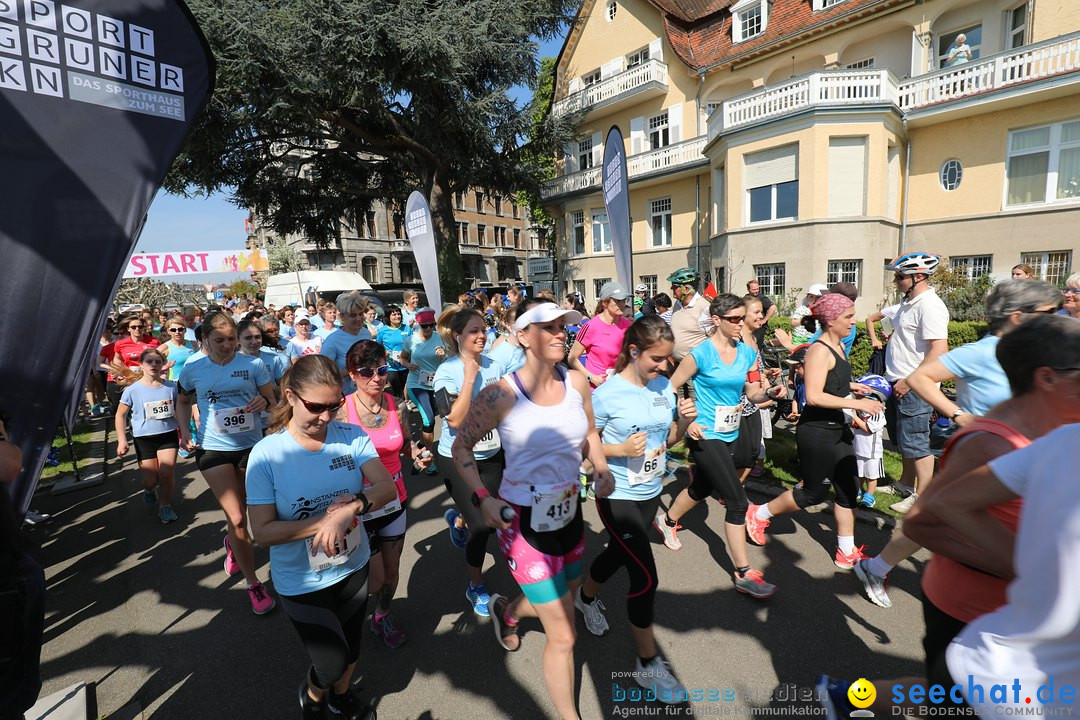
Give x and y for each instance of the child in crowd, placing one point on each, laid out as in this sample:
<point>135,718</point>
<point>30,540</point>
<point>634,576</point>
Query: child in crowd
<point>869,453</point>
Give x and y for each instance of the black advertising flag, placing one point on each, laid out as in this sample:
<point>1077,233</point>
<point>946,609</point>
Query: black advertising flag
<point>96,100</point>
<point>617,203</point>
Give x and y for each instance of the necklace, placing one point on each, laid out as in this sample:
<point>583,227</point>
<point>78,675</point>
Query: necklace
<point>376,417</point>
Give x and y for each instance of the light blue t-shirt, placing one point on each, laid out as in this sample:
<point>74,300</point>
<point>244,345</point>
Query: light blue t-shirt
<point>422,354</point>
<point>718,385</point>
<point>220,390</point>
<point>336,346</point>
<point>178,355</point>
<point>276,362</point>
<point>847,342</point>
<point>509,355</point>
<point>393,339</point>
<point>287,332</point>
<point>153,409</point>
<point>980,382</point>
<point>450,377</point>
<point>622,409</point>
<point>300,484</point>
<point>323,333</point>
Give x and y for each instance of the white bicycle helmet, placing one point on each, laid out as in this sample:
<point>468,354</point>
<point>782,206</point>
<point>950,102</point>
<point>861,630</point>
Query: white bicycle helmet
<point>914,262</point>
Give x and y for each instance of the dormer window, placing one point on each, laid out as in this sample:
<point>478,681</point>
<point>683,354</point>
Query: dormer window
<point>749,19</point>
<point>825,4</point>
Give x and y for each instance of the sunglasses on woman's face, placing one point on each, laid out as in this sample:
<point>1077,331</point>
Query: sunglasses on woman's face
<point>180,330</point>
<point>370,372</point>
<point>135,327</point>
<point>320,408</point>
<point>427,326</point>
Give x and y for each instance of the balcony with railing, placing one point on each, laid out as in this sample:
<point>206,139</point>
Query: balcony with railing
<point>672,158</point>
<point>1053,59</point>
<point>639,82</point>
<point>400,246</point>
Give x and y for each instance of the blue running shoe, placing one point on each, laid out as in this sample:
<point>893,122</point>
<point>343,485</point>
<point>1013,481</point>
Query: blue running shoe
<point>478,596</point>
<point>458,535</point>
<point>867,500</point>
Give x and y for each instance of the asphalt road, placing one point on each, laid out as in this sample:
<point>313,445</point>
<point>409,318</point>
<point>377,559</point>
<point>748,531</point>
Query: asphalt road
<point>146,611</point>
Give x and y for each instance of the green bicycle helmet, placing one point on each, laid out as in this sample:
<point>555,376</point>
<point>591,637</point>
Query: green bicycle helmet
<point>684,276</point>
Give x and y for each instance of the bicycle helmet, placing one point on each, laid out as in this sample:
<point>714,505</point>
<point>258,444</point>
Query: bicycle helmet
<point>684,276</point>
<point>879,386</point>
<point>914,262</point>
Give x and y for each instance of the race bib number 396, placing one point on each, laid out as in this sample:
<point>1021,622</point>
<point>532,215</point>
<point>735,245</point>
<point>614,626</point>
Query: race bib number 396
<point>233,421</point>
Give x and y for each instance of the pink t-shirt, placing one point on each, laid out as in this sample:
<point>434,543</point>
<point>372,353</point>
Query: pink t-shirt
<point>387,438</point>
<point>602,343</point>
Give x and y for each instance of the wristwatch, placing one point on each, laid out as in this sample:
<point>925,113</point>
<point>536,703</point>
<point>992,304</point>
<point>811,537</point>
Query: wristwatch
<point>959,411</point>
<point>366,503</point>
<point>479,495</point>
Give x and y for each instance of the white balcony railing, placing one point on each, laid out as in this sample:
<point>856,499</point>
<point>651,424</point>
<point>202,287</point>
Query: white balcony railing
<point>665,159</point>
<point>625,83</point>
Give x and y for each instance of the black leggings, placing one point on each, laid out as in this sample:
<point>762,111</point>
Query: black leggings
<point>826,457</point>
<point>748,444</point>
<point>330,622</point>
<point>714,472</point>
<point>491,471</point>
<point>396,379</point>
<point>627,522</point>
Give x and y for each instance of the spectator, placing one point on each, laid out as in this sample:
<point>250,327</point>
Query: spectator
<point>641,292</point>
<point>768,307</point>
<point>1023,272</point>
<point>959,52</point>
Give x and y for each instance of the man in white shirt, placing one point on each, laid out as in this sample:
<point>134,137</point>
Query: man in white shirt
<point>920,334</point>
<point>691,322</point>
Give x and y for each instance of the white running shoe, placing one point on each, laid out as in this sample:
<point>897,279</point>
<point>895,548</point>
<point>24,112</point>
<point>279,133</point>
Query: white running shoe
<point>876,587</point>
<point>904,505</point>
<point>658,676</point>
<point>595,621</point>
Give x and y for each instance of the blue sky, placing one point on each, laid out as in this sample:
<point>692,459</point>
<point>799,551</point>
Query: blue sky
<point>214,223</point>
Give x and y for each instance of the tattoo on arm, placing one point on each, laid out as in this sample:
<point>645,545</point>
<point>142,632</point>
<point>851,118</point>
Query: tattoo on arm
<point>483,415</point>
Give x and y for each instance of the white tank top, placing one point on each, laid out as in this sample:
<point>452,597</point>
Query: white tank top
<point>542,443</point>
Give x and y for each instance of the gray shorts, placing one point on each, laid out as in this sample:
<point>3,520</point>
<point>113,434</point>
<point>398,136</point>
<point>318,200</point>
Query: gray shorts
<point>908,422</point>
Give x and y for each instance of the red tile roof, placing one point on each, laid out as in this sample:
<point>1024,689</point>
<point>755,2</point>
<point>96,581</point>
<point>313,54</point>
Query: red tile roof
<point>700,34</point>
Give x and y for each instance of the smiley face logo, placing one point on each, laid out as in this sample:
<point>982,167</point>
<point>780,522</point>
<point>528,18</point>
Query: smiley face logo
<point>862,693</point>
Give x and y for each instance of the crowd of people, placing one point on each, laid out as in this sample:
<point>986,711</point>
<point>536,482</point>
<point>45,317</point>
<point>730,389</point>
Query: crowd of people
<point>304,422</point>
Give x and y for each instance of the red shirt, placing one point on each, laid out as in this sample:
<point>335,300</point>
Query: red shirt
<point>105,356</point>
<point>129,350</point>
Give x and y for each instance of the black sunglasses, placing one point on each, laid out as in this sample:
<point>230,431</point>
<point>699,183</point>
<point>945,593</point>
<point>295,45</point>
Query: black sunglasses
<point>428,326</point>
<point>370,372</point>
<point>320,408</point>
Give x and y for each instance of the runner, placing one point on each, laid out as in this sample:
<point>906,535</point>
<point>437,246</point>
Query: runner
<point>392,336</point>
<point>151,402</point>
<point>371,320</point>
<point>981,384</point>
<point>410,301</point>
<point>601,337</point>
<point>457,383</point>
<point>506,351</point>
<point>329,315</point>
<point>422,354</point>
<point>823,436</point>
<point>750,445</point>
<point>638,419</point>
<point>230,390</point>
<point>375,410</point>
<point>271,351</point>
<point>287,316</point>
<point>176,350</point>
<point>351,309</point>
<point>722,371</point>
<point>304,342</point>
<point>128,350</point>
<point>318,548</point>
<point>544,416</point>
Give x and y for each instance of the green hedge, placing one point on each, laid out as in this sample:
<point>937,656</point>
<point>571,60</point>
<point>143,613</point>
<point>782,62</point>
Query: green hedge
<point>960,333</point>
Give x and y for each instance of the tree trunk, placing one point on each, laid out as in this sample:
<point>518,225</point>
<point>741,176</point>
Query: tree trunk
<point>451,272</point>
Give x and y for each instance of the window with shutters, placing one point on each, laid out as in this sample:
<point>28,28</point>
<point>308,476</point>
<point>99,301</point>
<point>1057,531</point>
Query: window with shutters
<point>601,234</point>
<point>1016,26</point>
<point>972,266</point>
<point>577,231</point>
<point>660,221</point>
<point>849,271</point>
<point>749,19</point>
<point>1044,164</point>
<point>772,184</point>
<point>585,154</point>
<point>636,58</point>
<point>592,78</point>
<point>771,279</point>
<point>659,132</point>
<point>847,176</point>
<point>1053,266</point>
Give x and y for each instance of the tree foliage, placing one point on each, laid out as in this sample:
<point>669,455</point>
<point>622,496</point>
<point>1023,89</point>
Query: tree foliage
<point>239,288</point>
<point>965,298</point>
<point>282,257</point>
<point>154,293</point>
<point>323,106</point>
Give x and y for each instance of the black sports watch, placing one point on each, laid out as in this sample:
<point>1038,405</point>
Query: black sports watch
<point>367,503</point>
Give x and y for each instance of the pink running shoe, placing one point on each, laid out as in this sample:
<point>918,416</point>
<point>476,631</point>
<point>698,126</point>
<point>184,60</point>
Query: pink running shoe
<point>261,602</point>
<point>848,561</point>
<point>231,566</point>
<point>755,528</point>
<point>752,583</point>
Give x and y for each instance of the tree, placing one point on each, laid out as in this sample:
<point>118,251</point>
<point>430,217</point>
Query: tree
<point>282,257</point>
<point>965,298</point>
<point>239,288</point>
<point>323,106</point>
<point>538,151</point>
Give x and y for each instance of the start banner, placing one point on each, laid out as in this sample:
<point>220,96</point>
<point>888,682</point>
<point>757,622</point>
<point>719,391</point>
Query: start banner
<point>173,263</point>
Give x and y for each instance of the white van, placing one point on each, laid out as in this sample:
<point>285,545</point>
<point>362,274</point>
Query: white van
<point>290,288</point>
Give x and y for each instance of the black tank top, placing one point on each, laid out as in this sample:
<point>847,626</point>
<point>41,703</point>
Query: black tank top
<point>838,383</point>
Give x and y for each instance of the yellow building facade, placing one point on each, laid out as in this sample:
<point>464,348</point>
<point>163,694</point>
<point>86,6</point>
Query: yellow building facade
<point>803,141</point>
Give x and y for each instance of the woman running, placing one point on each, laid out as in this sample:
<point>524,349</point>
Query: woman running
<point>392,336</point>
<point>638,417</point>
<point>376,411</point>
<point>304,342</point>
<point>128,350</point>
<point>151,403</point>
<point>544,415</point>
<point>230,390</point>
<point>722,370</point>
<point>601,338</point>
<point>352,311</point>
<point>308,480</point>
<point>506,350</point>
<point>457,383</point>
<point>823,436</point>
<point>176,349</point>
<point>287,315</point>
<point>422,354</point>
<point>755,417</point>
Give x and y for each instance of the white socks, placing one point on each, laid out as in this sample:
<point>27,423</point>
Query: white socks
<point>846,543</point>
<point>763,512</point>
<point>879,567</point>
